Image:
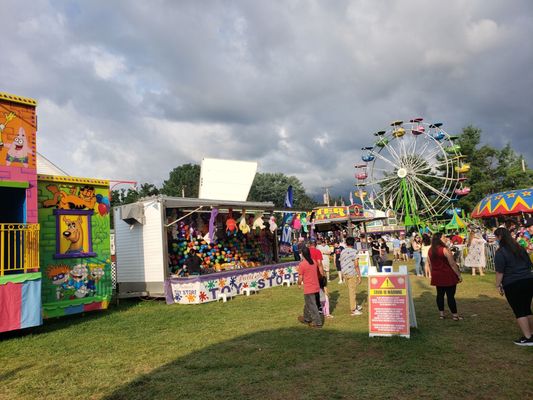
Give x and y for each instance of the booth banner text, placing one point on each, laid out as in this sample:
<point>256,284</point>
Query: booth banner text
<point>363,257</point>
<point>388,301</point>
<point>206,288</point>
<point>340,212</point>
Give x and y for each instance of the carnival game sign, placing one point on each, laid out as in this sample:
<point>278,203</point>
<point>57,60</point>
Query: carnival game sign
<point>331,213</point>
<point>388,305</point>
<point>205,288</point>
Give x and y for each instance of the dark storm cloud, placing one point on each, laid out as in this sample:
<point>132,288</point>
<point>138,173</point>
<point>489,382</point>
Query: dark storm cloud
<point>134,89</point>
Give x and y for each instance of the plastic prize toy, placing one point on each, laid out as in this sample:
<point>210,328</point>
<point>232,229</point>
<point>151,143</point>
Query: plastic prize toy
<point>414,168</point>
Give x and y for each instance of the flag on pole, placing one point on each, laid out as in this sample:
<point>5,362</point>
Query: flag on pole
<point>351,198</point>
<point>288,203</point>
<point>288,197</point>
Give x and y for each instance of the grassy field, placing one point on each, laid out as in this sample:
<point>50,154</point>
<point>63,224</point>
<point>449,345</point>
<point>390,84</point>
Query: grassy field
<point>253,348</point>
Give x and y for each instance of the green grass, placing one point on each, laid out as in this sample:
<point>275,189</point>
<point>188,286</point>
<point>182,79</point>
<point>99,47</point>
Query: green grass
<point>253,348</point>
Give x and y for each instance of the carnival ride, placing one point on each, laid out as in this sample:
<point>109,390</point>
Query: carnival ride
<point>414,168</point>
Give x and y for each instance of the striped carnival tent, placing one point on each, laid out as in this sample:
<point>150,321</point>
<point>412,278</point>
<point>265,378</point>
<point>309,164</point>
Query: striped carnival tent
<point>505,203</point>
<point>456,223</point>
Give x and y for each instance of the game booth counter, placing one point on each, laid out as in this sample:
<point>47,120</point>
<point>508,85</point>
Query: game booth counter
<point>347,218</point>
<point>237,247</point>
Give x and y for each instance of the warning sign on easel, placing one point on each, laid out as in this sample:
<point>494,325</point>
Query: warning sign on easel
<point>390,304</point>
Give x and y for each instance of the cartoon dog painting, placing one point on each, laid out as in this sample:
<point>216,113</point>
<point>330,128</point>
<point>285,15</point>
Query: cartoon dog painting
<point>70,201</point>
<point>18,151</point>
<point>74,234</point>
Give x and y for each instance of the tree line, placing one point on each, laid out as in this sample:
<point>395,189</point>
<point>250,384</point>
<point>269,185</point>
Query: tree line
<point>183,181</point>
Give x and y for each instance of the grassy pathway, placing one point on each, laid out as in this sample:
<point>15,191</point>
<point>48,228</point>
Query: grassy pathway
<point>253,347</point>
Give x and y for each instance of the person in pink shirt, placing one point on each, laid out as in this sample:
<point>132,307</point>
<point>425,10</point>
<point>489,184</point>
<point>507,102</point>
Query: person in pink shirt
<point>308,276</point>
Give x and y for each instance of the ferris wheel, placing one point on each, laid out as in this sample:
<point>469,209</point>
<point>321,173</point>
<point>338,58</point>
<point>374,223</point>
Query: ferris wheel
<point>414,168</point>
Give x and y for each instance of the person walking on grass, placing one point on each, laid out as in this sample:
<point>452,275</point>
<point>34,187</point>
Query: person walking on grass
<point>324,248</point>
<point>514,278</point>
<point>351,274</point>
<point>417,256</point>
<point>337,250</point>
<point>316,255</point>
<point>383,252</point>
<point>295,250</point>
<point>308,276</point>
<point>475,259</point>
<point>396,248</point>
<point>445,275</point>
<point>426,244</point>
<point>374,246</point>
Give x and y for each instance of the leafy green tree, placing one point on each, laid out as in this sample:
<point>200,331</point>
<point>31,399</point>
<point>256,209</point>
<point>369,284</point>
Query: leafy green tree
<point>120,197</point>
<point>273,187</point>
<point>183,180</point>
<point>491,170</point>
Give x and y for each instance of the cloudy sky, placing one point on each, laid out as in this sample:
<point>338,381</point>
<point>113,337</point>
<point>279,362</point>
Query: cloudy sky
<point>132,89</point>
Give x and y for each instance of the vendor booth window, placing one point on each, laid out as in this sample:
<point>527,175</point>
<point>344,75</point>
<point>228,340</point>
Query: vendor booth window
<point>73,234</point>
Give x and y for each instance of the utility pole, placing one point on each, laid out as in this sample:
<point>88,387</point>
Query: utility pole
<point>326,195</point>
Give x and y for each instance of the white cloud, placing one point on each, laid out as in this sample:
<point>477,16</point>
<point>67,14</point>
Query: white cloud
<point>105,65</point>
<point>484,34</point>
<point>322,140</point>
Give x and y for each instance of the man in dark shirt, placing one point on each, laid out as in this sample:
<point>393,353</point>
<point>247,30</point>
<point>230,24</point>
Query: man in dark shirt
<point>374,245</point>
<point>337,250</point>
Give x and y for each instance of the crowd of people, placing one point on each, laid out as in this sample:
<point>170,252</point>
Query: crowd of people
<point>435,257</point>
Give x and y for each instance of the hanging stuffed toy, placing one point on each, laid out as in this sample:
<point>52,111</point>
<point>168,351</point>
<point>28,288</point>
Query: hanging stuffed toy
<point>258,221</point>
<point>287,219</point>
<point>243,226</point>
<point>303,220</point>
<point>285,242</point>
<point>312,219</point>
<point>231,225</point>
<point>286,234</point>
<point>296,223</point>
<point>272,224</point>
<point>212,227</point>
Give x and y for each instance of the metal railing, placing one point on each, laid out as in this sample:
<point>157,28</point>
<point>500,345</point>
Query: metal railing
<point>490,251</point>
<point>19,248</point>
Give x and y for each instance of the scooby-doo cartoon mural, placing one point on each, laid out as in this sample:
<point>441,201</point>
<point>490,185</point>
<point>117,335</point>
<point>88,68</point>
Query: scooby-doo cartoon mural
<point>74,234</point>
<point>84,199</point>
<point>75,245</point>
